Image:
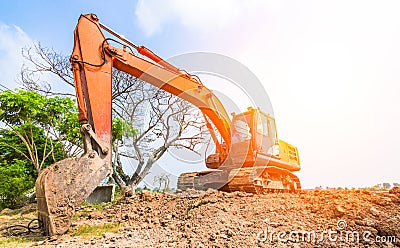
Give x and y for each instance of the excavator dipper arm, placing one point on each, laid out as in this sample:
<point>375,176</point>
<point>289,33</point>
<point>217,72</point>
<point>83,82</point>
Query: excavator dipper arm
<point>63,186</point>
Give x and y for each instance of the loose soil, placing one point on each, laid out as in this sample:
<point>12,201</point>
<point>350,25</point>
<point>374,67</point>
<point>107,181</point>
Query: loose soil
<point>323,218</point>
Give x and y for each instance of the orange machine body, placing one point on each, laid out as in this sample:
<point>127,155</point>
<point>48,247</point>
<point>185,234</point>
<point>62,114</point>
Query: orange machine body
<point>249,156</point>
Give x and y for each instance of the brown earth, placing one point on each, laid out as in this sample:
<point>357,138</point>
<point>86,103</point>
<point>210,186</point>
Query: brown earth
<point>219,219</point>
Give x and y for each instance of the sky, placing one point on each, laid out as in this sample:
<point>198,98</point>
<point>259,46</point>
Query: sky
<point>331,68</point>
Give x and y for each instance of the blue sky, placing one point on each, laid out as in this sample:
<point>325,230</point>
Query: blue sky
<point>52,22</point>
<point>331,68</point>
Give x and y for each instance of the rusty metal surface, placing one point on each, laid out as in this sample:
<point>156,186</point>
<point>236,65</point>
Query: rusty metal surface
<point>63,186</point>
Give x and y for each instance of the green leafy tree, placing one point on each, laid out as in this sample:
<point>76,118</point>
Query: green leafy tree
<point>35,131</point>
<point>15,181</point>
<point>38,129</point>
<point>15,144</point>
<point>121,128</point>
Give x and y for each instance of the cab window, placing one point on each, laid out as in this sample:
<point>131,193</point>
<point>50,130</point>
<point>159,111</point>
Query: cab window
<point>241,128</point>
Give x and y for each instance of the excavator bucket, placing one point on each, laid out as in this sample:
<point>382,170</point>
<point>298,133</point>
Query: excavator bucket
<point>63,186</point>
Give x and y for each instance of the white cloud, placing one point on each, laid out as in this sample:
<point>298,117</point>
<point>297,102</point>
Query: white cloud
<point>331,69</point>
<point>12,40</point>
<point>196,15</point>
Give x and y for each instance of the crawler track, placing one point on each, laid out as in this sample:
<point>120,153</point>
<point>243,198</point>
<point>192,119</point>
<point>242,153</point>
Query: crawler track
<point>252,179</point>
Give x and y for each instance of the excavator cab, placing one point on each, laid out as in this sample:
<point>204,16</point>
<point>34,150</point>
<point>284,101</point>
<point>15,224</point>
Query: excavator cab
<point>254,130</point>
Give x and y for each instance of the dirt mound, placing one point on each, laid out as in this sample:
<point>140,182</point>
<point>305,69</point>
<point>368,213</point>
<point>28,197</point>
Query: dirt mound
<point>395,190</point>
<point>218,219</point>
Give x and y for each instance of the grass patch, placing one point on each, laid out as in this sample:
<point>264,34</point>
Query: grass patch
<point>17,241</point>
<point>87,231</point>
<point>87,208</point>
<point>101,206</point>
<point>96,206</point>
<point>117,195</point>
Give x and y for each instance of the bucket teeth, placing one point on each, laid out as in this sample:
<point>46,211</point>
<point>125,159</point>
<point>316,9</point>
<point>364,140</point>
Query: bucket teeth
<point>63,186</point>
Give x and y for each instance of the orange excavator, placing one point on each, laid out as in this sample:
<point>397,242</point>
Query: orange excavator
<point>249,157</point>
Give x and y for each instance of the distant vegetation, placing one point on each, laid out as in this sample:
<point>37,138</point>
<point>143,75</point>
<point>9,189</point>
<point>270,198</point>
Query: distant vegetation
<point>382,186</point>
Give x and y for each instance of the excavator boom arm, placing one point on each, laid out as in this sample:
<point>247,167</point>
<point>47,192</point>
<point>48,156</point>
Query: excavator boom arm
<point>93,59</point>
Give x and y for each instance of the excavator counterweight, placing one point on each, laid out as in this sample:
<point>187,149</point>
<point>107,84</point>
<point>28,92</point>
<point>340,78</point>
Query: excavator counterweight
<point>248,157</point>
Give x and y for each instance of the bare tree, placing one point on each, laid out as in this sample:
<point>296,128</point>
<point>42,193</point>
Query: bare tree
<point>163,182</point>
<point>43,60</point>
<point>163,120</point>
